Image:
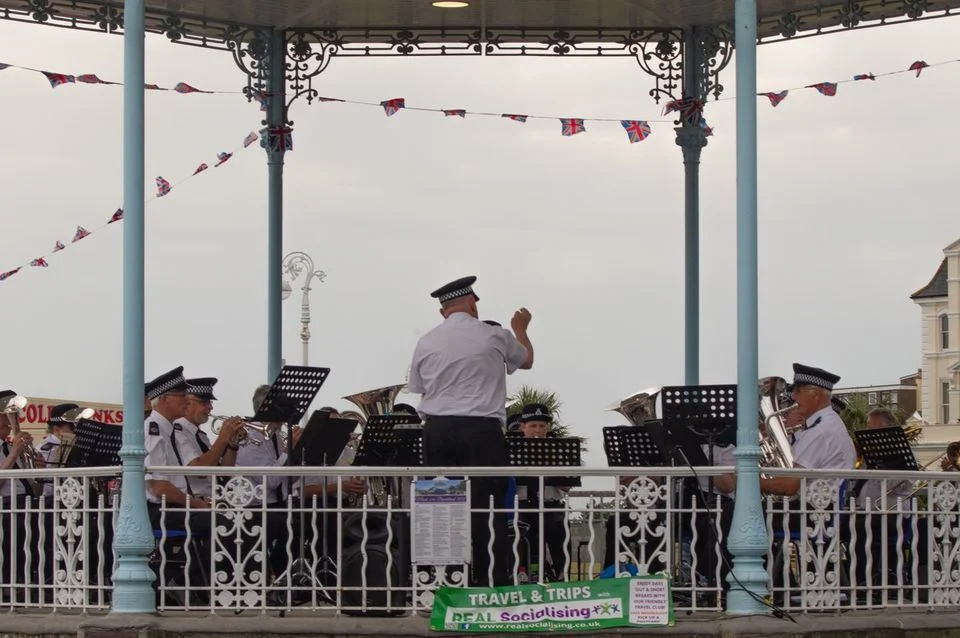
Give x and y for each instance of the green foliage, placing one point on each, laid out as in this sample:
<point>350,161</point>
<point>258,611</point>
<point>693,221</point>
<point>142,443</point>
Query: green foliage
<point>527,394</point>
<point>857,408</point>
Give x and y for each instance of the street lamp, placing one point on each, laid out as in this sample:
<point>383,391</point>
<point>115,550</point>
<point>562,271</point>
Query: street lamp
<point>293,265</point>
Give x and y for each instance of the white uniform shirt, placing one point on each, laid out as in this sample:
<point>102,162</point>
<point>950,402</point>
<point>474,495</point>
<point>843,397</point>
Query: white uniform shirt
<point>874,490</point>
<point>18,487</point>
<point>458,367</point>
<point>722,456</point>
<point>188,438</point>
<point>825,443</point>
<point>268,454</point>
<point>48,450</point>
<point>158,436</point>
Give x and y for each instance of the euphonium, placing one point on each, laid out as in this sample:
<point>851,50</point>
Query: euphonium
<point>640,407</point>
<point>376,402</point>
<point>11,407</point>
<point>775,439</point>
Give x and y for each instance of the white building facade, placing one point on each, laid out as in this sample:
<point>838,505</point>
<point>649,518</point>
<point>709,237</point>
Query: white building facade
<point>939,303</point>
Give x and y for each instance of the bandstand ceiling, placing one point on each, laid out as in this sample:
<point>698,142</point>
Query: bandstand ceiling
<point>206,19</point>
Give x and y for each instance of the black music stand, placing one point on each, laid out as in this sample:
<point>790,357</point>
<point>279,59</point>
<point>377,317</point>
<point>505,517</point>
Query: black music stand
<point>884,449</point>
<point>631,446</point>
<point>95,444</point>
<point>548,452</point>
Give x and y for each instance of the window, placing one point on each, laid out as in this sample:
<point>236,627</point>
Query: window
<point>894,398</point>
<point>945,401</point>
<point>944,332</point>
<point>872,398</point>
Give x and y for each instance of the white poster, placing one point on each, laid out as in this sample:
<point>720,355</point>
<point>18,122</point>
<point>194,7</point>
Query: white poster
<point>441,522</point>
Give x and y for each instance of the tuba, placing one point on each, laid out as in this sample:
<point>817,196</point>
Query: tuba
<point>775,440</point>
<point>376,402</point>
<point>11,406</point>
<point>639,408</point>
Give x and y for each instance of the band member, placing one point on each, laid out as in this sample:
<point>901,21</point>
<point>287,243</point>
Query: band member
<point>192,443</point>
<point>59,429</point>
<point>404,408</point>
<point>536,422</point>
<point>14,494</point>
<point>460,369</point>
<point>823,443</point>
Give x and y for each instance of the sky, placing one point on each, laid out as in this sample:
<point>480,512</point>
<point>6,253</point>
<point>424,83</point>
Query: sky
<point>855,207</point>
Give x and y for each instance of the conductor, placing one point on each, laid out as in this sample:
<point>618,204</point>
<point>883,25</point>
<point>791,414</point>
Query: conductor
<point>460,369</point>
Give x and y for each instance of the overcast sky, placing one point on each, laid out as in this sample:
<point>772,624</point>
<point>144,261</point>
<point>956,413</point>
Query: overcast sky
<point>856,203</point>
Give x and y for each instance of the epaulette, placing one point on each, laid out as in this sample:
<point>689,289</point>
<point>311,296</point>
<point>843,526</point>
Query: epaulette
<point>154,428</point>
<point>178,427</point>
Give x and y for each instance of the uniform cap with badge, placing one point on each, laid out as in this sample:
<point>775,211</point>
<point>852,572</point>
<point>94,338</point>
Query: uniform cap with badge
<point>535,412</point>
<point>455,289</point>
<point>202,388</point>
<point>808,375</point>
<point>171,381</point>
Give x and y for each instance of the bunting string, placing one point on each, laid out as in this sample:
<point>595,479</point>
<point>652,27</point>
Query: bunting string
<point>637,130</point>
<point>163,189</point>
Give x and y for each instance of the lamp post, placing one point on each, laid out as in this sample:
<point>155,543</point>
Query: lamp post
<point>294,264</point>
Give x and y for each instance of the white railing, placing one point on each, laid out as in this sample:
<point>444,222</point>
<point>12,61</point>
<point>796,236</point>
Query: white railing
<point>353,557</point>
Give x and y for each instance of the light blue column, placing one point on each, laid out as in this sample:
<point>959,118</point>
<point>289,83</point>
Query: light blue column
<point>133,542</point>
<point>748,533</point>
<point>276,116</point>
<point>691,139</point>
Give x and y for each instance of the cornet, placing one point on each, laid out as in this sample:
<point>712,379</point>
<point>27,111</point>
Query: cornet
<point>217,424</point>
<point>11,407</point>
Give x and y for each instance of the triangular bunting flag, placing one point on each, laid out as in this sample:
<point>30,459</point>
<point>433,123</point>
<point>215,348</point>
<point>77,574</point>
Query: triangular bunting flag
<point>90,78</point>
<point>775,98</point>
<point>390,107</point>
<point>8,274</point>
<point>825,88</point>
<point>56,79</point>
<point>918,66</point>
<point>637,130</point>
<point>153,87</point>
<point>58,246</point>
<point>163,187</point>
<point>200,168</point>
<point>688,109</point>
<point>39,262</point>
<point>183,87</point>
<point>571,126</point>
<point>249,139</point>
<point>329,99</point>
<point>223,157</point>
<point>455,112</point>
<point>865,76</point>
<point>4,66</point>
<point>80,234</point>
<point>117,216</point>
<point>707,130</point>
<point>515,117</point>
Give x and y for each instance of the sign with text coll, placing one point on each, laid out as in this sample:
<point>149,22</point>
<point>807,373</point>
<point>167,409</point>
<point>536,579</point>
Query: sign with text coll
<point>641,601</point>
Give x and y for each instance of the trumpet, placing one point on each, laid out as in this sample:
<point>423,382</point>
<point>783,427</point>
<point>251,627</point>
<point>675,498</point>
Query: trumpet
<point>217,424</point>
<point>11,406</point>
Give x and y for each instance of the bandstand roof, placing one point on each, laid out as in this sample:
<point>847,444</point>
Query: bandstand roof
<point>497,20</point>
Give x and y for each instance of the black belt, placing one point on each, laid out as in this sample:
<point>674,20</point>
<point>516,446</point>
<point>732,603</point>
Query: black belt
<point>462,419</point>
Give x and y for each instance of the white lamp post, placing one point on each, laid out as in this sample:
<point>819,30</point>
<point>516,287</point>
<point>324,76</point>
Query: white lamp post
<point>293,265</point>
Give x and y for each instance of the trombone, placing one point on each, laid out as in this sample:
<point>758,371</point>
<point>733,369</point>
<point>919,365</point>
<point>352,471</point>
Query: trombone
<point>952,453</point>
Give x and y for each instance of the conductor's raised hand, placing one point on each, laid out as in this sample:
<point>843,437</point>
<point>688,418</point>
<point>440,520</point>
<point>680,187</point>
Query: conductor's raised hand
<point>521,319</point>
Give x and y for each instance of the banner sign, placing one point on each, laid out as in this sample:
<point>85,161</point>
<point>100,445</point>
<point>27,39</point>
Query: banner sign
<point>642,601</point>
<point>37,412</point>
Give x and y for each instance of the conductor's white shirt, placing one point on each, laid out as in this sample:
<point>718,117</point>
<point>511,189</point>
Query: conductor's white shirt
<point>459,368</point>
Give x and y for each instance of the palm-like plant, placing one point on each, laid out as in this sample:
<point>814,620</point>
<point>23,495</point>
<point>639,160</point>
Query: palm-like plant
<point>527,394</point>
<point>857,408</point>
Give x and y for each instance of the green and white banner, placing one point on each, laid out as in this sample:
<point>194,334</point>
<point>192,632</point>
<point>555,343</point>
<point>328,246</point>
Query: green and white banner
<point>642,601</point>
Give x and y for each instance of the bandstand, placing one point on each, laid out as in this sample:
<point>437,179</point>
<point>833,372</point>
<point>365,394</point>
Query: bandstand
<point>282,48</point>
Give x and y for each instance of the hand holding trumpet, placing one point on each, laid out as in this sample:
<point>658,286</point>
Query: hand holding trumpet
<point>231,431</point>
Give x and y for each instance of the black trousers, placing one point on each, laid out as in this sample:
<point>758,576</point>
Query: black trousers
<point>13,526</point>
<point>476,442</point>
<point>554,540</point>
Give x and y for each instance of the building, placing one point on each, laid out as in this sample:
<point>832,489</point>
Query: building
<point>34,417</point>
<point>939,303</point>
<point>901,397</point>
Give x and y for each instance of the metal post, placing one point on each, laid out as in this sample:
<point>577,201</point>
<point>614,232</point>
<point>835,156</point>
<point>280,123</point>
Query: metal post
<point>691,139</point>
<point>305,321</point>
<point>748,533</point>
<point>276,117</point>
<point>133,592</point>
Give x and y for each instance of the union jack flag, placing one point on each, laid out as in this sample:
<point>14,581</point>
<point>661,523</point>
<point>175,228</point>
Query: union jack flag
<point>260,97</point>
<point>329,99</point>
<point>249,139</point>
<point>775,98</point>
<point>689,109</point>
<point>223,157</point>
<point>637,130</point>
<point>183,87</point>
<point>200,168</point>
<point>39,262</point>
<point>825,88</point>
<point>707,130</point>
<point>117,216</point>
<point>56,79</point>
<point>515,117</point>
<point>58,246</point>
<point>90,78</point>
<point>163,187</point>
<point>390,107</point>
<point>8,274</point>
<point>80,234</point>
<point>865,76</point>
<point>278,138</point>
<point>918,66</point>
<point>455,112</point>
<point>571,126</point>
<point>153,87</point>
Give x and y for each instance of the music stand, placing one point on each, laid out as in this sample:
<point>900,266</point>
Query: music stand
<point>631,446</point>
<point>95,444</point>
<point>884,449</point>
<point>322,441</point>
<point>551,452</point>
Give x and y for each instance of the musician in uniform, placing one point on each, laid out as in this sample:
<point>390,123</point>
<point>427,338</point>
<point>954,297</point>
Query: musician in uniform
<point>536,422</point>
<point>14,494</point>
<point>193,445</point>
<point>460,370</point>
